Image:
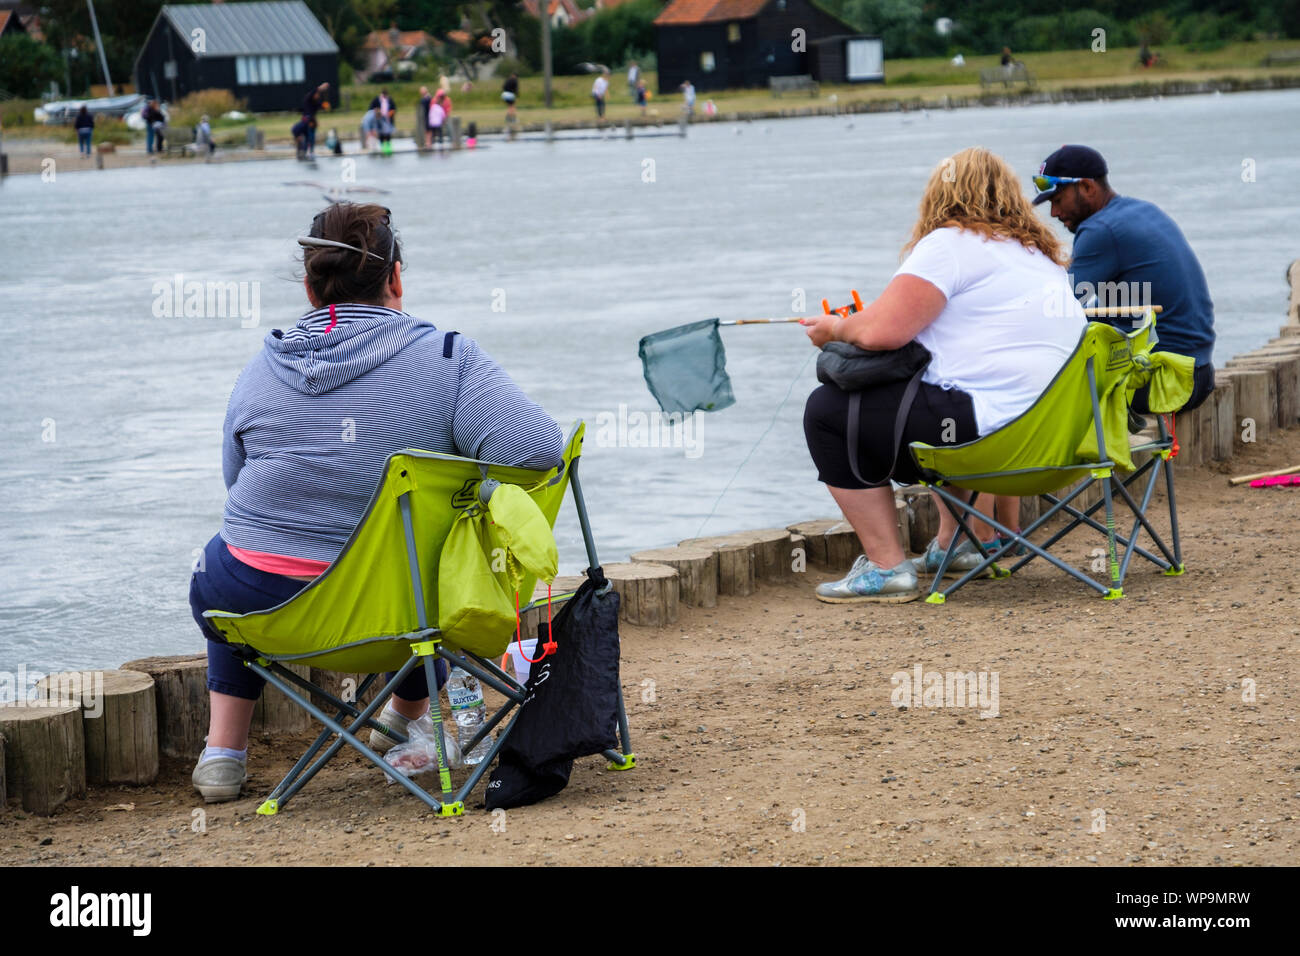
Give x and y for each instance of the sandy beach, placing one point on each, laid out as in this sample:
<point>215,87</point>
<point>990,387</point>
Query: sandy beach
<point>766,735</point>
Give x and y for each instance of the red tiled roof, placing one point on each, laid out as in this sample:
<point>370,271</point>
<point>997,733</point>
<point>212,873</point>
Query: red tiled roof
<point>571,8</point>
<point>382,39</point>
<point>684,12</point>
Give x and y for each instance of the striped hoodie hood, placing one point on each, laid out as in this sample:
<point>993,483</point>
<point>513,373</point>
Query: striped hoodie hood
<point>324,350</point>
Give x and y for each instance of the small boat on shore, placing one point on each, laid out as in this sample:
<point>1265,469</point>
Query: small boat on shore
<point>62,112</point>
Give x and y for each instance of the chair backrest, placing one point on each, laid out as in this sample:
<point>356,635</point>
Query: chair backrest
<point>1053,443</point>
<point>361,613</point>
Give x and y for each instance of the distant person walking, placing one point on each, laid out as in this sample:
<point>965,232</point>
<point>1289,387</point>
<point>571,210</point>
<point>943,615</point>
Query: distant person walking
<point>203,136</point>
<point>599,93</point>
<point>633,78</point>
<point>155,122</point>
<point>386,110</point>
<point>85,124</point>
<point>641,95</point>
<point>317,100</point>
<point>510,94</point>
<point>370,124</point>
<point>436,118</point>
<point>426,100</point>
<point>688,98</point>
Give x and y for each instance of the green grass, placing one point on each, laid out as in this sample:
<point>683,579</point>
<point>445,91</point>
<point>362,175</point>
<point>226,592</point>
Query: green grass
<point>909,79</point>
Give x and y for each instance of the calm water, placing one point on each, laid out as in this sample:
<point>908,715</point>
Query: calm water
<point>99,524</point>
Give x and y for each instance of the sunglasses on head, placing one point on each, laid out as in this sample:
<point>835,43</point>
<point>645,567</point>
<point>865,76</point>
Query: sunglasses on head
<point>314,240</point>
<point>1044,183</point>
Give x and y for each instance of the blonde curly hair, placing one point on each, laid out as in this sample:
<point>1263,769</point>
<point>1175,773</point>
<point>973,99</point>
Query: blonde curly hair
<point>977,191</point>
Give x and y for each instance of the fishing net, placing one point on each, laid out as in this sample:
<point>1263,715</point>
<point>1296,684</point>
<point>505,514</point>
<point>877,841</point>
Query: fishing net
<point>686,368</point>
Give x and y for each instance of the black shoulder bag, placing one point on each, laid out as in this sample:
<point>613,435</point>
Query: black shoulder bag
<point>854,369</point>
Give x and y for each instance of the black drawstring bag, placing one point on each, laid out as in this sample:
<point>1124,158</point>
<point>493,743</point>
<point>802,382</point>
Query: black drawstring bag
<point>571,707</point>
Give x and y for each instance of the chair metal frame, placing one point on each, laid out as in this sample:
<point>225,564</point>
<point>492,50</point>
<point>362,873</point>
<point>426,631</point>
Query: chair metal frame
<point>426,648</point>
<point>1113,486</point>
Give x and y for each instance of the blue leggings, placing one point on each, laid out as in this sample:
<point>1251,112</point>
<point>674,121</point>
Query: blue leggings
<point>225,583</point>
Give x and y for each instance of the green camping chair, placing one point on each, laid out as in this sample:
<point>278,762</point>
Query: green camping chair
<point>375,609</point>
<point>1075,432</point>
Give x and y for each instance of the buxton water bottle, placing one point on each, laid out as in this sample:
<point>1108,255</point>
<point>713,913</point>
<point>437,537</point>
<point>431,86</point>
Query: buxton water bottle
<point>469,713</point>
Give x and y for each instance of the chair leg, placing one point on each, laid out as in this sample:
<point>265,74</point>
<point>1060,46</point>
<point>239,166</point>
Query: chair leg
<point>345,711</point>
<point>627,759</point>
<point>1112,554</point>
<point>1141,521</point>
<point>345,736</point>
<point>953,503</point>
<point>1173,521</point>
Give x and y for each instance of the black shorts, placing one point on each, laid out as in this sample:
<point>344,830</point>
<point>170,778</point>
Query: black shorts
<point>938,416</point>
<point>1202,386</point>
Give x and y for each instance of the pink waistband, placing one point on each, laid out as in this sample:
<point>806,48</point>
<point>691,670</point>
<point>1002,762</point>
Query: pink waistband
<point>279,563</point>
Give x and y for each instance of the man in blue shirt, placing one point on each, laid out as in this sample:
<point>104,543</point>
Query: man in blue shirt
<point>1128,252</point>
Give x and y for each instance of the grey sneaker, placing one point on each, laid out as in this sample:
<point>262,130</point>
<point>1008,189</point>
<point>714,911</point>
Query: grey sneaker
<point>380,742</point>
<point>965,559</point>
<point>867,582</point>
<point>219,779</point>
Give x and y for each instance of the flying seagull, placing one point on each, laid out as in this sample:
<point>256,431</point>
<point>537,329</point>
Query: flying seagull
<point>335,194</point>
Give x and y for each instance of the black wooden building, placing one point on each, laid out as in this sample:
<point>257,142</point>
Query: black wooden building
<point>268,54</point>
<point>721,44</point>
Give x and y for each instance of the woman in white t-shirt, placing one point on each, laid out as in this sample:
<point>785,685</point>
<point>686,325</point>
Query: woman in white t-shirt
<point>982,287</point>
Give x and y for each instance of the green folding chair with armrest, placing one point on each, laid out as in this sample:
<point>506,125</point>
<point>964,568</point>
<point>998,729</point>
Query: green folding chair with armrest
<point>375,608</point>
<point>1076,431</point>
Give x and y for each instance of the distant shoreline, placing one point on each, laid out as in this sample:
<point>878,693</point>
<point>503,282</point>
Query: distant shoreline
<point>33,152</point>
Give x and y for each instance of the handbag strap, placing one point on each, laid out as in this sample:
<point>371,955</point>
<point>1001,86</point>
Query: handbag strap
<point>900,422</point>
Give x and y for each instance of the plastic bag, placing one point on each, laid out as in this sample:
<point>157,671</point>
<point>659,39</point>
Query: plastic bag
<point>420,754</point>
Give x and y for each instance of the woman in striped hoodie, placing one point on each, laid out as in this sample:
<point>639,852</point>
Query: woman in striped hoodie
<point>310,423</point>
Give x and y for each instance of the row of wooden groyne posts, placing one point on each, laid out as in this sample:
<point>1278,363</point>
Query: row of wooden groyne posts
<point>111,727</point>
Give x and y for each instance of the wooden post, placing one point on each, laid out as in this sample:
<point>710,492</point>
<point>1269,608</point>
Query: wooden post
<point>697,572</point>
<point>1225,418</point>
<point>770,549</point>
<point>922,514</point>
<point>813,533</point>
<point>829,542</point>
<point>276,714</point>
<point>627,126</point>
<point>454,123</point>
<point>773,553</point>
<point>45,753</point>
<point>1287,370</point>
<point>1195,432</point>
<point>1293,279</point>
<point>345,686</point>
<point>120,722</point>
<point>648,593</point>
<point>1254,401</point>
<point>181,699</point>
<point>904,527</point>
<point>735,564</point>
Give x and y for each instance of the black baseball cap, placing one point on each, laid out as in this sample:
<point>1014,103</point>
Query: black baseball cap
<point>1070,162</point>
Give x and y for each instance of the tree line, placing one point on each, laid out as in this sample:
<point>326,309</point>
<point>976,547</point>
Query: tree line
<point>910,28</point>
